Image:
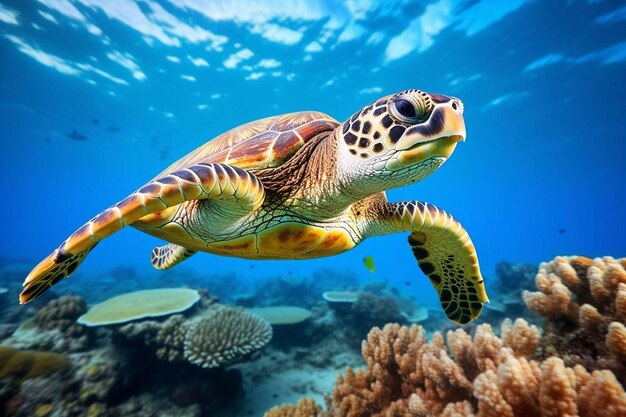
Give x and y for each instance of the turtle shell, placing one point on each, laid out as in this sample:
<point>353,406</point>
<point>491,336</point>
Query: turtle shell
<point>260,144</point>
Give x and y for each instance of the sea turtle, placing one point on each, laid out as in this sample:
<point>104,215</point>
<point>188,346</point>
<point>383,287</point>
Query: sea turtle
<point>300,186</point>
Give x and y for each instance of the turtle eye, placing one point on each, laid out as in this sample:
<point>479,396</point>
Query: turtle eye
<point>410,108</point>
<point>405,108</point>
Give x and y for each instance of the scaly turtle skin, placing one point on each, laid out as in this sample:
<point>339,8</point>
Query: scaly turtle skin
<point>301,186</point>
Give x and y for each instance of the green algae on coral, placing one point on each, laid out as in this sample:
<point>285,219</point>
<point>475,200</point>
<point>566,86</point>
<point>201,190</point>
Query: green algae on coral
<point>139,305</point>
<point>278,315</point>
<point>23,364</point>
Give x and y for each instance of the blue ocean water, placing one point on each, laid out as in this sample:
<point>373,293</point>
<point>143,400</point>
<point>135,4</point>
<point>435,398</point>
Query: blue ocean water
<point>97,97</point>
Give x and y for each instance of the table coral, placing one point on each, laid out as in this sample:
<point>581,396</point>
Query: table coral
<point>139,305</point>
<point>584,303</point>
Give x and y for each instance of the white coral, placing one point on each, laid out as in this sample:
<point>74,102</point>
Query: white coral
<point>225,337</point>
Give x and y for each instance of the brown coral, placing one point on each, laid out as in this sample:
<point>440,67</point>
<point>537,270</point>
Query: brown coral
<point>54,328</point>
<point>61,314</point>
<point>306,407</point>
<point>23,364</point>
<point>487,376</point>
<point>584,303</point>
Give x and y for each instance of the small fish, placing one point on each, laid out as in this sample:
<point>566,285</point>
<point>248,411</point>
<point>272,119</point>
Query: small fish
<point>113,129</point>
<point>95,121</point>
<point>76,135</point>
<point>407,283</point>
<point>368,261</point>
<point>561,231</point>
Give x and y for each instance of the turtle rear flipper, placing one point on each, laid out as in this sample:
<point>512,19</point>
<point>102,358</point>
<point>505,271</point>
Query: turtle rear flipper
<point>165,257</point>
<point>229,184</point>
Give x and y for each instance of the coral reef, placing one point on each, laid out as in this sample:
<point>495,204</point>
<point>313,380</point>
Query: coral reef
<point>281,315</point>
<point>340,300</point>
<point>24,364</point>
<point>306,407</point>
<point>221,336</point>
<point>54,328</point>
<point>372,310</point>
<point>61,314</point>
<point>104,384</point>
<point>584,303</point>
<point>483,376</point>
<point>224,337</point>
<point>511,281</point>
<point>364,310</point>
<point>294,289</point>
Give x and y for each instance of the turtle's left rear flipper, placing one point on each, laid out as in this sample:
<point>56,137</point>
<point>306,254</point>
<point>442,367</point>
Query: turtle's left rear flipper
<point>165,257</point>
<point>202,181</point>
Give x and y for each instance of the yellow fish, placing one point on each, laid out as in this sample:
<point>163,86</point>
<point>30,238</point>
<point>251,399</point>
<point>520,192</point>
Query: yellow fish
<point>368,261</point>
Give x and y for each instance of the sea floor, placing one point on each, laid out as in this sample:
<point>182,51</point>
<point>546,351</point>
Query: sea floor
<point>284,376</point>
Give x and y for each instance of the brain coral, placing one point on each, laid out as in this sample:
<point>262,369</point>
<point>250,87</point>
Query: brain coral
<point>225,336</point>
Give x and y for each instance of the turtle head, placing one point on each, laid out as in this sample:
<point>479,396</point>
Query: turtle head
<point>400,138</point>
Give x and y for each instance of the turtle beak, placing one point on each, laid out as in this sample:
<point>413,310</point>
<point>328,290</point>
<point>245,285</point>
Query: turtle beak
<point>435,138</point>
<point>445,121</point>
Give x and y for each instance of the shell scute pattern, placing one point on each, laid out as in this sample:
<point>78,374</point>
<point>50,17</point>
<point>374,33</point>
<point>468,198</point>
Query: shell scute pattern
<point>260,144</point>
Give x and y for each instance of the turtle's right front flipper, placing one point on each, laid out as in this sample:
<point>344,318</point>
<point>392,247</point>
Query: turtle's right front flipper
<point>444,252</point>
<point>202,181</point>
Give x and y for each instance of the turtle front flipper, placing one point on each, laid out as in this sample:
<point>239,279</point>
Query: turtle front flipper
<point>240,188</point>
<point>444,252</point>
<point>165,257</point>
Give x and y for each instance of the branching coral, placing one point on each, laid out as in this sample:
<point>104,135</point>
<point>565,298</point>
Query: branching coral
<point>224,337</point>
<point>306,407</point>
<point>584,303</point>
<point>486,376</point>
